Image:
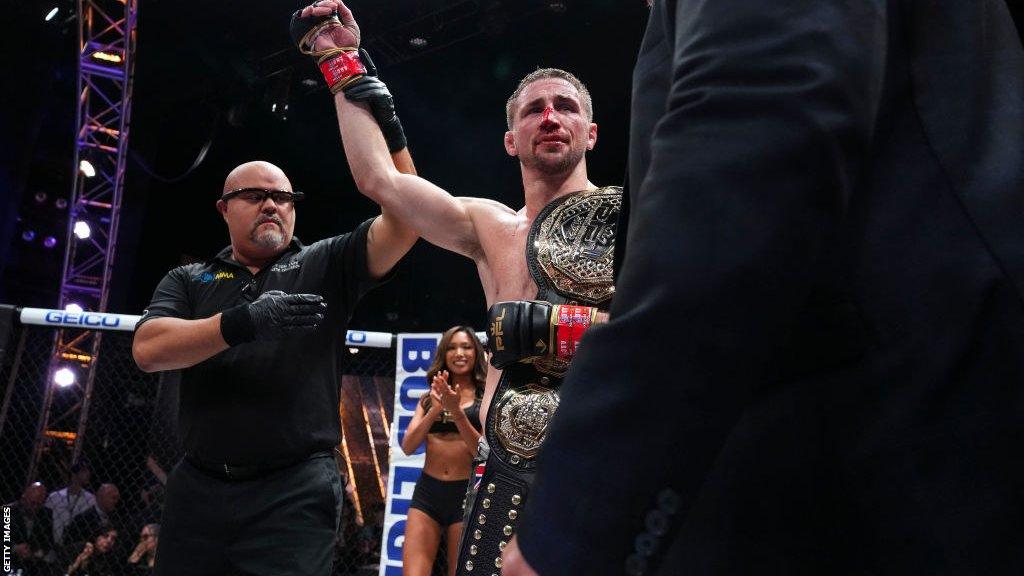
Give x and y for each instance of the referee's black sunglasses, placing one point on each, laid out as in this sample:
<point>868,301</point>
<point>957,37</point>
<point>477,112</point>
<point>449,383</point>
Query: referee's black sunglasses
<point>260,195</point>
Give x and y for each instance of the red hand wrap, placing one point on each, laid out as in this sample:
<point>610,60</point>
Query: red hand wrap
<point>572,322</point>
<point>337,70</point>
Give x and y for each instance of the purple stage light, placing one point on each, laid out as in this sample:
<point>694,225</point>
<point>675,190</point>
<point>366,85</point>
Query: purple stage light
<point>50,242</point>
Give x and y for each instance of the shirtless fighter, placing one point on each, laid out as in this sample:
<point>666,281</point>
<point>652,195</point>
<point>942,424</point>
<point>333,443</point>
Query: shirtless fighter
<point>545,268</point>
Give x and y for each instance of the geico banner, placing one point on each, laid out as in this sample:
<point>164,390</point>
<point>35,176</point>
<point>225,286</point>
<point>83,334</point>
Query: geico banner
<point>127,322</point>
<point>368,339</point>
<point>84,320</point>
<point>415,352</point>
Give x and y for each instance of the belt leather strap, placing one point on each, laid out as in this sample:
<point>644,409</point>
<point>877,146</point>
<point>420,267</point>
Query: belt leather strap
<point>516,425</point>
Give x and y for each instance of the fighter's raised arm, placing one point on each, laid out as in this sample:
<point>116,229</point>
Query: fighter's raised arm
<point>436,215</point>
<point>368,130</point>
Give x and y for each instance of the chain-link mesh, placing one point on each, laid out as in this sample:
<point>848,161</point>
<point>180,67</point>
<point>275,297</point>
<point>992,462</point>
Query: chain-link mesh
<point>130,444</point>
<point>24,367</point>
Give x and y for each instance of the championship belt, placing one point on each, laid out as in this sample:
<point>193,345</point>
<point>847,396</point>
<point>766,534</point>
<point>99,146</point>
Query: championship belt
<point>569,252</point>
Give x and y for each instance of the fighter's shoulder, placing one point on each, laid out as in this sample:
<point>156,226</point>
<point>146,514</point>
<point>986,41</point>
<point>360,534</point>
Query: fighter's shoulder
<point>485,207</point>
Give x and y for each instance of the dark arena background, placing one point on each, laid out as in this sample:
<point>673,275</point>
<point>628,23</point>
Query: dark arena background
<point>217,84</point>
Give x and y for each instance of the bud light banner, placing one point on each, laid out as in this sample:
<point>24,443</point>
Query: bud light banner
<point>415,352</point>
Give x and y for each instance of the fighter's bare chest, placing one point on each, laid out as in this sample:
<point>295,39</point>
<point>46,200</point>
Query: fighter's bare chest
<point>506,275</point>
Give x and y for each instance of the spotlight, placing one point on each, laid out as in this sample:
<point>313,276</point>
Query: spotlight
<point>87,168</point>
<point>82,230</point>
<point>50,242</point>
<point>64,377</point>
<point>418,42</point>
<point>61,203</point>
<point>53,12</point>
<point>73,307</point>
<point>40,197</point>
<point>353,350</point>
<point>28,235</point>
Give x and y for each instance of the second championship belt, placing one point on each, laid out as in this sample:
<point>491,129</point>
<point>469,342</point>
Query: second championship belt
<point>569,251</point>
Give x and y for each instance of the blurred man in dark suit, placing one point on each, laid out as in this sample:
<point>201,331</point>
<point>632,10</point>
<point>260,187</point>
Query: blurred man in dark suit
<point>821,286</point>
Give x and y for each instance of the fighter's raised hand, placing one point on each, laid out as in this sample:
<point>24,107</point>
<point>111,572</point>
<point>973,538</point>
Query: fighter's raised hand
<point>324,25</point>
<point>327,31</point>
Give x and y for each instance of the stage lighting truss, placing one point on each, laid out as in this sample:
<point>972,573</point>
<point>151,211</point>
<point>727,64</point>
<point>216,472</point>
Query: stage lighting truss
<point>106,60</point>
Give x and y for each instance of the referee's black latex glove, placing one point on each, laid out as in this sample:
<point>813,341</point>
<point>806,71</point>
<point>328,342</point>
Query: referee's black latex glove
<point>375,93</point>
<point>275,314</point>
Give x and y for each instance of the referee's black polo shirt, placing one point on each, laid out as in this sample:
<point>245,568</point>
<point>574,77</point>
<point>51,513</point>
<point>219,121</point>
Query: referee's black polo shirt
<point>274,401</point>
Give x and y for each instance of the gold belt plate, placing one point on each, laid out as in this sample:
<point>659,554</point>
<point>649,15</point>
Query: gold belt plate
<point>523,418</point>
<point>575,244</point>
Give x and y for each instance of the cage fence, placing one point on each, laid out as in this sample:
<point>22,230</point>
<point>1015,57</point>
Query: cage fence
<point>129,443</point>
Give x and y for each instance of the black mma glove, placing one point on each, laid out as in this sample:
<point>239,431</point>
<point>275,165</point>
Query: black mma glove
<point>371,90</point>
<point>365,87</point>
<point>340,64</point>
<point>274,314</point>
<point>526,329</point>
<point>517,330</point>
<point>303,30</point>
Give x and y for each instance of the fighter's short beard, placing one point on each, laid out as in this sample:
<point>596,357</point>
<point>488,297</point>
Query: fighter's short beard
<point>561,166</point>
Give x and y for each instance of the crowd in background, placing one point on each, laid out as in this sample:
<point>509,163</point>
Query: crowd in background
<point>74,531</point>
